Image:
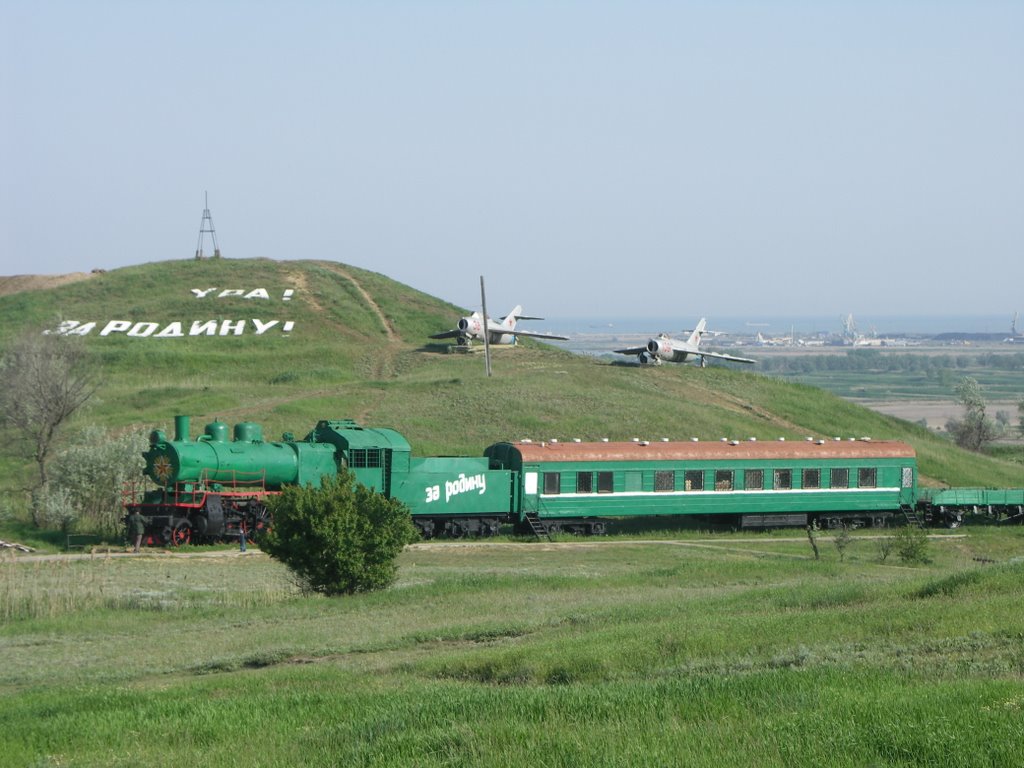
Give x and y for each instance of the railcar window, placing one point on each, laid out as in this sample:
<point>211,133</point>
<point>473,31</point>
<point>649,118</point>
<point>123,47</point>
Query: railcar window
<point>723,479</point>
<point>908,477</point>
<point>364,457</point>
<point>604,482</point>
<point>693,480</point>
<point>664,480</point>
<point>753,479</point>
<point>840,478</point>
<point>552,482</point>
<point>867,477</point>
<point>584,482</point>
<point>811,478</point>
<point>783,479</point>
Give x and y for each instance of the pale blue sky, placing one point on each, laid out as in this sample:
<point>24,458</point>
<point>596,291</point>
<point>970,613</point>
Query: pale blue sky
<point>619,158</point>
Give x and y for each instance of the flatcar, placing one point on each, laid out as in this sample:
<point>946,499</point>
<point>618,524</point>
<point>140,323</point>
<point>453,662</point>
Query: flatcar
<point>213,487</point>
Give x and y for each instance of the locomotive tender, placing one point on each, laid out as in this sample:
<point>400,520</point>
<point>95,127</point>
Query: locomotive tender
<point>213,487</point>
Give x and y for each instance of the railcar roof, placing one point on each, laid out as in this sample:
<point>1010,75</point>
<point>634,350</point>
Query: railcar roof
<point>712,451</point>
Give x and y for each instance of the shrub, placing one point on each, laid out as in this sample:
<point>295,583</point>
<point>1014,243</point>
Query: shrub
<point>885,545</point>
<point>340,538</point>
<point>912,544</point>
<point>843,540</point>
<point>53,507</point>
<point>87,480</point>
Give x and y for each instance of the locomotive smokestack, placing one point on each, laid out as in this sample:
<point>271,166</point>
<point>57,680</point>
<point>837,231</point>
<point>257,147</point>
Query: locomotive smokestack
<point>181,429</point>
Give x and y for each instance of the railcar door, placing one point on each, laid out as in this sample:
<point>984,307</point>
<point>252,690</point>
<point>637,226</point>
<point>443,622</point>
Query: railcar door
<point>531,495</point>
<point>908,486</point>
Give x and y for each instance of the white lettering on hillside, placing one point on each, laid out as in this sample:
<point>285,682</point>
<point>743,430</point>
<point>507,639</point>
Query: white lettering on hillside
<point>173,330</point>
<point>227,293</point>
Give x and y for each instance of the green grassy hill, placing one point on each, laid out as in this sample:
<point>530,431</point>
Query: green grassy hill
<point>359,348</point>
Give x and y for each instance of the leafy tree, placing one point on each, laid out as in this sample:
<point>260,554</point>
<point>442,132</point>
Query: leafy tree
<point>340,538</point>
<point>46,379</point>
<point>87,479</point>
<point>975,429</point>
<point>1003,421</point>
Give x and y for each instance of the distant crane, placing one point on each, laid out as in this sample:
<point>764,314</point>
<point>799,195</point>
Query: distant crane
<point>849,329</point>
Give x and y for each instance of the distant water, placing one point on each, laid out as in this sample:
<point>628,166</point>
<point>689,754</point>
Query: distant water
<point>877,325</point>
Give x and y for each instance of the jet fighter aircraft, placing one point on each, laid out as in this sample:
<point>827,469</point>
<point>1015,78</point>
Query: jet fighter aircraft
<point>500,332</point>
<point>665,348</point>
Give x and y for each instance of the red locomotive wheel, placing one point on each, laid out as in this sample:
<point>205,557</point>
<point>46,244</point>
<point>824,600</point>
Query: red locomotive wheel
<point>182,533</point>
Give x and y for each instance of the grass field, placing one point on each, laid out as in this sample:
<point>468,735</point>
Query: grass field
<point>663,648</point>
<point>686,649</point>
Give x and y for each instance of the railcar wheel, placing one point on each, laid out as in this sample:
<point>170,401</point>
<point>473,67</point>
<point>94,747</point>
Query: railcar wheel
<point>182,533</point>
<point>953,521</point>
<point>259,522</point>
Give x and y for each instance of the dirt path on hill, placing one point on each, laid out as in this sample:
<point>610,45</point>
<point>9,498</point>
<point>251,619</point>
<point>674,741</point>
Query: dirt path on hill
<point>302,289</point>
<point>381,359</point>
<point>302,284</point>
<point>389,329</point>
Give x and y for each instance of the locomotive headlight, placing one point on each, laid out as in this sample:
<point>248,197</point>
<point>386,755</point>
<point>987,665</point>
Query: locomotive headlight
<point>162,469</point>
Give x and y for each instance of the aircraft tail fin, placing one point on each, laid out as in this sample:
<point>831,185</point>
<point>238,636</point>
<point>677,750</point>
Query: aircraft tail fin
<point>510,319</point>
<point>698,332</point>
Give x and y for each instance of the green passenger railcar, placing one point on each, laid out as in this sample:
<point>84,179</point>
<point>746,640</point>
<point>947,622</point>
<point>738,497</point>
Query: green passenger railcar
<point>571,486</point>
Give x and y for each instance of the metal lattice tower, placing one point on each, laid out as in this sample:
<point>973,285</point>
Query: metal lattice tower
<point>206,225</point>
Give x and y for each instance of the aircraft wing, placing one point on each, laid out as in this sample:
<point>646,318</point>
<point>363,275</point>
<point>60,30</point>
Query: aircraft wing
<point>631,350</point>
<point>453,333</point>
<point>720,356</point>
<point>517,332</point>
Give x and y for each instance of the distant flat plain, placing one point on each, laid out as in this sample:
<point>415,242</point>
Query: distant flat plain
<point>872,391</point>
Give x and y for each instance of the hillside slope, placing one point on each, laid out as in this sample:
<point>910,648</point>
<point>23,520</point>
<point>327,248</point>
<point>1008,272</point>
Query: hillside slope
<point>20,283</point>
<point>288,343</point>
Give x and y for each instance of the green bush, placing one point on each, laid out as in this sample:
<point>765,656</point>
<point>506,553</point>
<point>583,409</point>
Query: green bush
<point>88,478</point>
<point>340,538</point>
<point>912,544</point>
